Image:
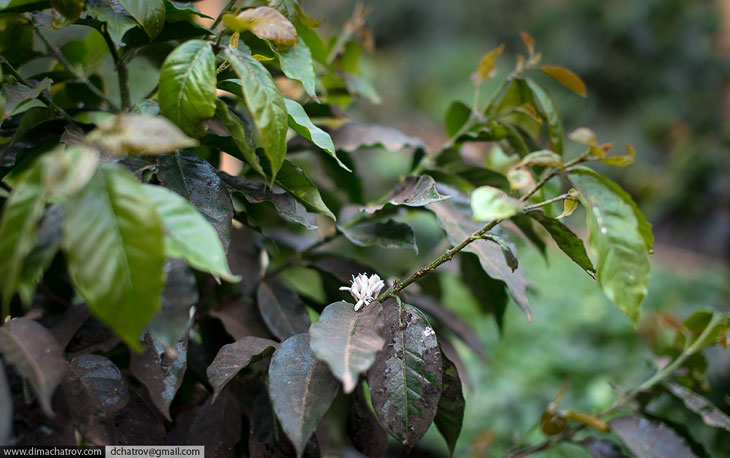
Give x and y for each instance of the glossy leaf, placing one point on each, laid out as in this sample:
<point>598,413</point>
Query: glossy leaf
<point>187,86</point>
<point>292,179</point>
<point>149,13</point>
<point>454,216</point>
<point>450,413</point>
<point>160,370</point>
<point>197,180</point>
<point>566,240</point>
<point>173,319</point>
<point>264,22</point>
<point>21,215</point>
<point>387,234</point>
<point>347,340</point>
<point>188,235</point>
<point>301,389</point>
<point>282,310</point>
<point>36,356</point>
<point>6,409</point>
<point>238,133</point>
<point>648,439</point>
<point>405,380</point>
<point>118,20</point>
<point>233,358</point>
<point>113,242</point>
<point>413,191</point>
<point>300,122</point>
<point>296,63</point>
<point>550,112</point>
<point>139,134</point>
<point>569,207</point>
<point>266,105</point>
<point>615,236</point>
<point>565,77</point>
<point>488,203</point>
<point>711,415</point>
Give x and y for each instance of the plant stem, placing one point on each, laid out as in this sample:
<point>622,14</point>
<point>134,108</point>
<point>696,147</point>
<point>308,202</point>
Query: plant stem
<point>527,208</point>
<point>122,73</point>
<point>59,111</point>
<point>225,9</point>
<point>76,74</point>
<point>293,258</point>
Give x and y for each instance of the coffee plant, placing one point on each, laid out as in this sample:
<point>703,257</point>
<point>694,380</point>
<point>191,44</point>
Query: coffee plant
<point>151,297</point>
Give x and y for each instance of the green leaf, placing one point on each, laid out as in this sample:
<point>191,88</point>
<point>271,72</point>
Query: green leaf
<point>348,340</point>
<point>648,439</point>
<point>296,63</point>
<point>65,172</point>
<point>66,11</point>
<point>149,13</point>
<point>238,132</point>
<point>264,22</point>
<point>187,86</point>
<point>36,355</point>
<point>300,122</point>
<point>490,203</point>
<point>387,234</point>
<point>118,21</point>
<point>490,293</point>
<point>289,8</point>
<point>509,257</point>
<point>113,242</point>
<point>188,235</point>
<point>615,236</point>
<point>139,134</point>
<point>19,97</point>
<point>301,389</point>
<point>405,380</point>
<point>233,358</point>
<point>550,112</point>
<point>413,191</point>
<point>711,415</point>
<point>450,413</point>
<point>197,180</point>
<point>282,310</point>
<point>42,254</point>
<point>542,158</point>
<point>292,179</point>
<point>18,227</point>
<point>457,116</point>
<point>266,105</point>
<point>566,240</point>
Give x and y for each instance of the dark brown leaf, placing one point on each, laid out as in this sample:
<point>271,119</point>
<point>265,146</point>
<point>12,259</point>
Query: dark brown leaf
<point>241,319</point>
<point>266,438</point>
<point>282,310</point>
<point>245,260</point>
<point>65,328</point>
<point>648,439</point>
<point>217,426</point>
<point>364,430</point>
<point>139,424</point>
<point>232,358</point>
<point>172,321</point>
<point>6,408</point>
<point>450,414</point>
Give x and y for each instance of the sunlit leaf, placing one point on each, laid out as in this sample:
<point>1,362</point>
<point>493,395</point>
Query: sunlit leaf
<point>347,340</point>
<point>139,134</point>
<point>149,13</point>
<point>565,77</point>
<point>490,203</point>
<point>543,158</point>
<point>264,22</point>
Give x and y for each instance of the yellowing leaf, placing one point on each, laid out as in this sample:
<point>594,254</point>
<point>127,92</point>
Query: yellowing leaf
<point>264,22</point>
<point>569,206</point>
<point>565,77</point>
<point>584,136</point>
<point>623,160</point>
<point>529,42</point>
<point>488,63</point>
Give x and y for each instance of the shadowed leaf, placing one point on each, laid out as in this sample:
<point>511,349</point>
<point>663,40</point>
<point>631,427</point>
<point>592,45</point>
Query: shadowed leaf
<point>139,424</point>
<point>266,438</point>
<point>711,415</point>
<point>293,180</point>
<point>6,409</point>
<point>242,319</point>
<point>172,321</point>
<point>238,133</point>
<point>413,191</point>
<point>648,439</point>
<point>36,355</point>
<point>282,310</point>
<point>565,239</point>
<point>217,426</point>
<point>450,413</point>
<point>387,234</point>
<point>363,429</point>
<point>149,13</point>
<point>232,358</point>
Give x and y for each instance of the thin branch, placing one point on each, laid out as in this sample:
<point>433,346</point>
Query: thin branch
<point>122,73</point>
<point>59,111</point>
<point>528,208</point>
<point>293,259</point>
<point>82,78</point>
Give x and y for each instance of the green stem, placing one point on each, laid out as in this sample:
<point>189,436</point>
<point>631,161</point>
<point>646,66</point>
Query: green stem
<point>528,208</point>
<point>59,111</point>
<point>122,72</point>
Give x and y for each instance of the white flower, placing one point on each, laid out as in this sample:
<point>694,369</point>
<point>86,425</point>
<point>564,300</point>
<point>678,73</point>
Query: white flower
<point>364,289</point>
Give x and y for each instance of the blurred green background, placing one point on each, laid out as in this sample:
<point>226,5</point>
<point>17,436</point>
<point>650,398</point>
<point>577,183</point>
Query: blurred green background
<point>657,77</point>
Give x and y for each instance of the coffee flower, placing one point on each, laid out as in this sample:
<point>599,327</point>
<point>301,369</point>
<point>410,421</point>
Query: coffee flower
<point>364,289</point>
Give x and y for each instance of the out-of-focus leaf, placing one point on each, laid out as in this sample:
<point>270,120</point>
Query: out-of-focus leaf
<point>113,242</point>
<point>616,237</point>
<point>584,136</point>
<point>300,122</point>
<point>353,136</point>
<point>648,439</point>
<point>700,320</point>
<point>347,340</point>
<point>64,172</point>
<point>264,22</point>
<point>292,179</point>
<point>301,389</point>
<point>149,13</point>
<point>18,97</point>
<point>266,438</point>
<point>565,77</point>
<point>36,355</point>
<point>364,430</point>
<point>520,179</point>
<point>282,310</point>
<point>172,321</point>
<point>524,223</point>
<point>138,423</point>
<point>455,217</point>
<point>529,42</point>
<point>490,293</point>
<point>197,180</point>
<point>550,112</point>
<point>413,191</point>
<point>601,448</point>
<point>187,86</point>
<point>217,426</point>
<point>188,235</point>
<point>265,103</point>
<point>289,8</point>
<point>621,161</point>
<point>66,11</point>
<point>18,228</point>
<point>569,207</point>
<point>242,319</point>
<point>509,255</point>
<point>387,234</point>
<point>182,11</point>
<point>245,258</point>
<point>296,63</point>
<point>457,116</point>
<point>6,409</point>
<point>566,240</point>
<point>112,12</point>
<point>405,380</point>
<point>450,413</point>
<point>238,134</point>
<point>95,391</point>
<point>160,370</point>
<point>488,203</point>
<point>139,134</point>
<point>711,415</point>
<point>487,64</point>
<point>42,254</point>
<point>543,158</point>
<point>233,358</point>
